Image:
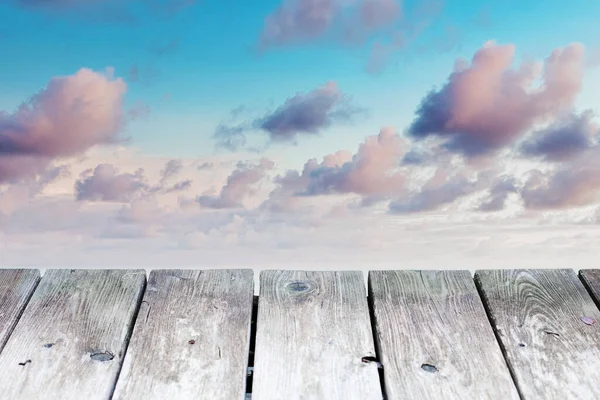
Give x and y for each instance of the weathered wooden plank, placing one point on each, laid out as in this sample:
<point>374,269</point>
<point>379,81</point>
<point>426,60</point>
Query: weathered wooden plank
<point>70,341</point>
<point>313,331</point>
<point>434,338</point>
<point>591,280</point>
<point>16,287</point>
<point>191,338</point>
<point>540,318</point>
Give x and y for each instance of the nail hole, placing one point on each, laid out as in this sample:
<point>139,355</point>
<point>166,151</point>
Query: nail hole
<point>429,368</point>
<point>521,344</point>
<point>48,345</point>
<point>192,341</point>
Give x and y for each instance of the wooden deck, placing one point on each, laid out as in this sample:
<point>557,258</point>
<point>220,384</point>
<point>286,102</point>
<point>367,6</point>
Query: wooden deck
<point>202,334</point>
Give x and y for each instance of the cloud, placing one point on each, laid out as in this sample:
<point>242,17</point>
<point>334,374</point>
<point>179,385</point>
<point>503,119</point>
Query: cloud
<point>487,105</point>
<point>394,24</point>
<point>71,115</point>
<point>301,21</point>
<point>240,185</point>
<point>306,113</point>
<point>303,114</point>
<point>54,229</point>
<point>373,173</point>
<point>298,20</point>
<point>564,139</point>
<point>105,183</point>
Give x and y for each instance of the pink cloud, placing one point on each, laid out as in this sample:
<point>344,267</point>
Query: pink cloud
<point>488,105</point>
<point>373,172</point>
<point>72,114</point>
<point>69,116</point>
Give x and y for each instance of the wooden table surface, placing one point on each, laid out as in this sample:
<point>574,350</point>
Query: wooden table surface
<point>202,334</point>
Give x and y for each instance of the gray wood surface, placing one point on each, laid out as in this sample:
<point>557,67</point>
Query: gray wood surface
<point>313,331</point>
<point>71,338</point>
<point>434,338</point>
<point>192,337</point>
<point>16,287</point>
<point>539,317</point>
<point>591,280</point>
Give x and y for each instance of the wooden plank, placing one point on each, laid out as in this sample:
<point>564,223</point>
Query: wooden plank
<point>591,280</point>
<point>191,338</point>
<point>71,339</point>
<point>16,288</point>
<point>313,331</point>
<point>434,338</point>
<point>539,317</point>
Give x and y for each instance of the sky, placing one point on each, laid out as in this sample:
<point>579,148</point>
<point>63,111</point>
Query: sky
<point>309,134</point>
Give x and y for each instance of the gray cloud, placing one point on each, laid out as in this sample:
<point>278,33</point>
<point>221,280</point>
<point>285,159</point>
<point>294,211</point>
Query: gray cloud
<point>303,114</point>
<point>564,139</point>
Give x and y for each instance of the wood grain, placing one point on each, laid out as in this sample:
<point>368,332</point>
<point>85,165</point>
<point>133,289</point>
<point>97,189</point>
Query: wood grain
<point>70,341</point>
<point>434,337</point>
<point>591,280</point>
<point>539,318</point>
<point>313,331</point>
<point>192,337</point>
<point>16,288</point>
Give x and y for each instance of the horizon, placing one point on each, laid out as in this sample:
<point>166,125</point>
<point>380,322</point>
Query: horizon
<point>299,134</point>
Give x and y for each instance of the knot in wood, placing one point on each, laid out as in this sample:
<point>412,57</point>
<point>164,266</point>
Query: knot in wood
<point>299,287</point>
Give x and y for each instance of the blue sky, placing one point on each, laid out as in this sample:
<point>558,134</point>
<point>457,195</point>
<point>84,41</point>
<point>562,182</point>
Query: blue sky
<point>213,69</point>
<point>490,152</point>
